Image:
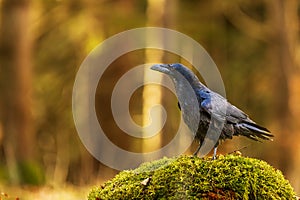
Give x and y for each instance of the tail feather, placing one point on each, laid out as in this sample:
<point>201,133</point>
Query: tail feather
<point>254,131</point>
<point>260,128</point>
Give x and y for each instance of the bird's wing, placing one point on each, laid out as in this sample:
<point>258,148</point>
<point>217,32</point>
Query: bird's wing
<point>212,103</point>
<point>215,104</point>
<point>235,115</point>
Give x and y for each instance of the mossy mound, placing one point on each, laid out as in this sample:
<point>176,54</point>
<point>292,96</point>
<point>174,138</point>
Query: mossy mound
<point>189,177</point>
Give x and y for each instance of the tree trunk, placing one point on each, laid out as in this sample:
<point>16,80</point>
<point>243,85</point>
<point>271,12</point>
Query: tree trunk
<point>15,84</point>
<point>152,96</point>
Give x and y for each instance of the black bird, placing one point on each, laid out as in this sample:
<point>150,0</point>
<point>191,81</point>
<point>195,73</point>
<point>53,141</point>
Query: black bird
<point>204,110</point>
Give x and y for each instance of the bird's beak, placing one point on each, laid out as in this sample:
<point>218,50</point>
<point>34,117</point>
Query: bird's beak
<point>161,68</point>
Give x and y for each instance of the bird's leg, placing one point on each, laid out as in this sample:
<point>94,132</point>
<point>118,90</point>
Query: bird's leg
<point>215,153</point>
<point>196,152</point>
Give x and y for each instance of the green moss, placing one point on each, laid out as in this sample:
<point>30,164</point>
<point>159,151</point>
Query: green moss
<point>189,177</point>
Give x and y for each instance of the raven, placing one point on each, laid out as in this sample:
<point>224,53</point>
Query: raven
<point>209,110</point>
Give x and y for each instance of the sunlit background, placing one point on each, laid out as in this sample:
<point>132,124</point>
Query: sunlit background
<point>255,45</point>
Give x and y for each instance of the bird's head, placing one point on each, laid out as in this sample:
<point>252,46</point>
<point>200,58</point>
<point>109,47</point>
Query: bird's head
<point>177,71</point>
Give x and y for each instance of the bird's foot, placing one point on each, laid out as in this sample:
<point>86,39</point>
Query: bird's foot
<point>215,154</point>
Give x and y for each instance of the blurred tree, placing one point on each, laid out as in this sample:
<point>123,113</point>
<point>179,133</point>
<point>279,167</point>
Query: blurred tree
<point>16,90</point>
<point>60,30</point>
<point>284,20</point>
<point>151,95</point>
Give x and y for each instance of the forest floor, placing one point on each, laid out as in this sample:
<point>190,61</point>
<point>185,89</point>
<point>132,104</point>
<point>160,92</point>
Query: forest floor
<point>46,193</point>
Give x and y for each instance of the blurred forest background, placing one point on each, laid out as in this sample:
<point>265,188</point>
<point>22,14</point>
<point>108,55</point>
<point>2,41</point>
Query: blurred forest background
<point>255,45</point>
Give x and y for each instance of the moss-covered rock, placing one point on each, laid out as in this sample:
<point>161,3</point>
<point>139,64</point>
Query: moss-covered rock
<point>189,177</point>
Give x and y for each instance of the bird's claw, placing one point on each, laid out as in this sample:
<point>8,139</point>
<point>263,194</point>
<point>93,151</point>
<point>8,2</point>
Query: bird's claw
<point>215,154</point>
